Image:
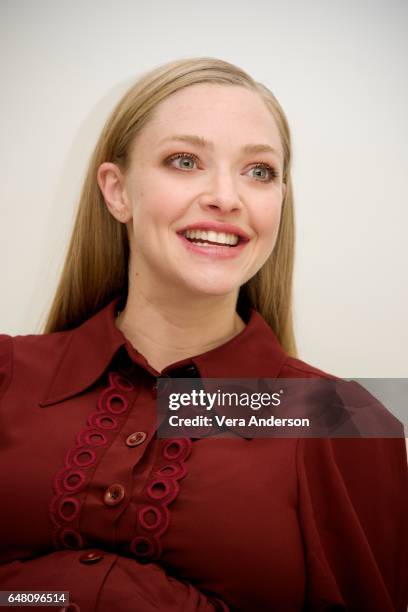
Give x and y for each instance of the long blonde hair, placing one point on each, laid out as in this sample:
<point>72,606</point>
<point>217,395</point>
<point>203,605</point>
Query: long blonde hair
<point>96,265</point>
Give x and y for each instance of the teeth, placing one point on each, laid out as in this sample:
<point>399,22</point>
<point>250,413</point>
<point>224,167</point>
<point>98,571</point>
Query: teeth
<point>218,237</point>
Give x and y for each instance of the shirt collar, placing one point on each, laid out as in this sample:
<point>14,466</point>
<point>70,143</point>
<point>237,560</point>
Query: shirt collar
<point>254,353</point>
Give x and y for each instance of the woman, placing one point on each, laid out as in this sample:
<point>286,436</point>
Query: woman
<point>180,265</point>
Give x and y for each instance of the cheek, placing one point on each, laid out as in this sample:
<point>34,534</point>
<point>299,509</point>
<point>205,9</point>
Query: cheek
<point>154,217</point>
<point>268,221</point>
<point>147,211</point>
<point>145,196</point>
<point>157,203</point>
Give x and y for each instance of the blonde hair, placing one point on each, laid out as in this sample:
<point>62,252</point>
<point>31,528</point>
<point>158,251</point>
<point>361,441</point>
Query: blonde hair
<point>96,265</point>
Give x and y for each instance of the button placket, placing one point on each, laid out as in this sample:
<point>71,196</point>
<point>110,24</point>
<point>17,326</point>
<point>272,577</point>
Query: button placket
<point>120,466</point>
<point>113,401</point>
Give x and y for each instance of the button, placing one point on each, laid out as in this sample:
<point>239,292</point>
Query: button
<point>190,371</point>
<point>114,494</point>
<point>136,438</point>
<point>92,556</point>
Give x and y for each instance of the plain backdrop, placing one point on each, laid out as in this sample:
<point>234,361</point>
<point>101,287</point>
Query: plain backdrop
<point>338,68</point>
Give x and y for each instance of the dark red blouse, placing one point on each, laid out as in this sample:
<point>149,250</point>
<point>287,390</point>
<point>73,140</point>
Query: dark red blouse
<point>94,503</point>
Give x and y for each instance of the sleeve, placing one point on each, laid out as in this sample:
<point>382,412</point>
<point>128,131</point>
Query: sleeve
<point>353,507</point>
<point>102,582</point>
<point>5,362</point>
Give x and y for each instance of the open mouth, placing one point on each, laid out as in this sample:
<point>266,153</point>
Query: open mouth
<point>211,238</point>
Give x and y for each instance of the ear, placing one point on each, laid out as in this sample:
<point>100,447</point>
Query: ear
<point>111,183</point>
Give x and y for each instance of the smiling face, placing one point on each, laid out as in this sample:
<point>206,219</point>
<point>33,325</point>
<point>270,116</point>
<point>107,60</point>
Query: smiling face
<point>192,166</point>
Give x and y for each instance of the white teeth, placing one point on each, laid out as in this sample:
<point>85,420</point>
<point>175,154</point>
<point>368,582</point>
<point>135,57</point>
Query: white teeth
<point>219,237</point>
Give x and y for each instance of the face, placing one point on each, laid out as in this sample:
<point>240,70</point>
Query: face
<point>202,208</point>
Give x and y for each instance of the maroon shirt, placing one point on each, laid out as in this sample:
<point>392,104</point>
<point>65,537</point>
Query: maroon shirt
<point>94,503</point>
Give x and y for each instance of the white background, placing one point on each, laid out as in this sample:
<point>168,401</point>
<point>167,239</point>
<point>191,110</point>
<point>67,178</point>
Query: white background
<point>339,70</point>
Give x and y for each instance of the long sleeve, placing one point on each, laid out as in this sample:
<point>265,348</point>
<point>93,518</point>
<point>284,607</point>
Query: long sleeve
<point>353,512</point>
<point>99,581</point>
<point>98,504</point>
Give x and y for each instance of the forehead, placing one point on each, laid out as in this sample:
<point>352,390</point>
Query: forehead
<point>213,112</point>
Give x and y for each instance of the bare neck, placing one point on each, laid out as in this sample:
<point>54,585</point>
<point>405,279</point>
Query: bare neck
<point>166,331</point>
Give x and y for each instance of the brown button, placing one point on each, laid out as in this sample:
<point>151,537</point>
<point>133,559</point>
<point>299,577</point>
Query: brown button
<point>92,556</point>
<point>114,494</point>
<point>136,438</point>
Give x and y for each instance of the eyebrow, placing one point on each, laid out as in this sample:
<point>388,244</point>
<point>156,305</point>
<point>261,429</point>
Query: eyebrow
<point>206,144</point>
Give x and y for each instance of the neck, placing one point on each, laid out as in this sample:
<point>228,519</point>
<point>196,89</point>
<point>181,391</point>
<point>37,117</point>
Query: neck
<point>166,330</point>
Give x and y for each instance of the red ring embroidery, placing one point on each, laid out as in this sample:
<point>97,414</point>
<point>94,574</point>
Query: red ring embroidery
<point>68,502</point>
<point>93,437</point>
<point>71,539</point>
<point>123,403</point>
<point>123,383</point>
<point>104,421</point>
<point>77,477</point>
<point>82,456</point>
<point>172,470</point>
<point>160,488</point>
<point>146,546</point>
<point>173,455</point>
<point>79,460</point>
<point>145,511</point>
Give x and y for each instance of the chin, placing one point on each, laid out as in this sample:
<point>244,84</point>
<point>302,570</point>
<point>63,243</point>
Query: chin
<point>206,283</point>
<point>215,289</point>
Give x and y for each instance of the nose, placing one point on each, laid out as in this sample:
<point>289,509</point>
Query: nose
<point>222,195</point>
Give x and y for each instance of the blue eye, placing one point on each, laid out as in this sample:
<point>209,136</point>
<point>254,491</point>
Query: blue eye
<point>272,174</point>
<point>188,156</point>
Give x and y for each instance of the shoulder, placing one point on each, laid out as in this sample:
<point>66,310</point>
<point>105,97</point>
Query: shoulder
<point>343,408</point>
<point>29,354</point>
<point>36,344</point>
<point>296,368</point>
